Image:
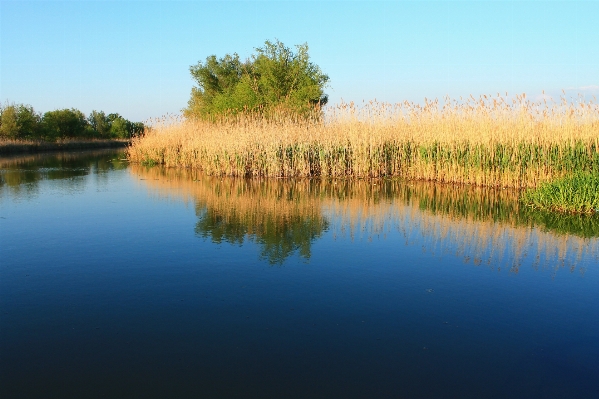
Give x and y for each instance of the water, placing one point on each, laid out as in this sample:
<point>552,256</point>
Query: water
<point>123,281</point>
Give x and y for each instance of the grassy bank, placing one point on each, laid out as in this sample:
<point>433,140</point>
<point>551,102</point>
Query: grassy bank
<point>32,146</point>
<point>578,193</point>
<point>486,141</point>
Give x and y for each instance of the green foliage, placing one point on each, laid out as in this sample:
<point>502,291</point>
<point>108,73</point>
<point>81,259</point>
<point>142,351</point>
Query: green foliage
<point>28,121</point>
<point>581,225</point>
<point>279,237</point>
<point>149,162</point>
<point>121,128</point>
<point>137,129</point>
<point>275,79</point>
<point>18,121</point>
<point>8,122</point>
<point>100,123</point>
<point>574,194</point>
<point>64,123</point>
<point>468,202</point>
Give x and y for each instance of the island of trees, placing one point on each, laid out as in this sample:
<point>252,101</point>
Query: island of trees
<point>233,127</point>
<point>275,80</point>
<point>265,117</point>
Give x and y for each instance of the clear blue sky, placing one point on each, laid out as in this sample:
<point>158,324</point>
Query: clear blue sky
<point>133,57</point>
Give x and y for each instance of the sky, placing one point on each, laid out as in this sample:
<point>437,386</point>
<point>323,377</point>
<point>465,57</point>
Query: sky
<point>133,57</point>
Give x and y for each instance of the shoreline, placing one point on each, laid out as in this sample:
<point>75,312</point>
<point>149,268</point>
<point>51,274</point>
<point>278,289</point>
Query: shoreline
<point>32,147</point>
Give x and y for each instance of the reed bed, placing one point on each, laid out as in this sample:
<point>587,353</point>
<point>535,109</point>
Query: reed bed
<point>489,141</point>
<point>484,226</point>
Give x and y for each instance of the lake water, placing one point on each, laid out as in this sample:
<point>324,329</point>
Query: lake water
<point>122,281</point>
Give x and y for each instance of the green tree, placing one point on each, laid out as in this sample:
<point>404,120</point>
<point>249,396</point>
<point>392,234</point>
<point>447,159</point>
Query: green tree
<point>121,128</point>
<point>276,78</point>
<point>137,129</point>
<point>65,123</point>
<point>29,122</point>
<point>100,123</point>
<point>114,125</point>
<point>19,121</point>
<point>289,79</point>
<point>8,122</point>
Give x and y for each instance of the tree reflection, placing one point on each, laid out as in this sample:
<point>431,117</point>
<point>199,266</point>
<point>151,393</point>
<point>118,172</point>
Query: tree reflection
<point>284,217</point>
<point>25,172</point>
<point>279,237</point>
<point>279,217</point>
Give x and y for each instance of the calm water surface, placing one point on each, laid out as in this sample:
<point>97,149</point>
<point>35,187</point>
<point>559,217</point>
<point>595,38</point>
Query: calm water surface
<point>122,281</point>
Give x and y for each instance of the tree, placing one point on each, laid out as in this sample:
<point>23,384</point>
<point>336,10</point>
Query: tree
<point>64,123</point>
<point>137,129</point>
<point>8,122</point>
<point>100,123</point>
<point>19,121</point>
<point>114,125</point>
<point>121,128</point>
<point>28,121</point>
<point>274,79</point>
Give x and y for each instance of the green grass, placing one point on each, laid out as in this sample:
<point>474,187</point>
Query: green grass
<point>149,162</point>
<point>578,193</point>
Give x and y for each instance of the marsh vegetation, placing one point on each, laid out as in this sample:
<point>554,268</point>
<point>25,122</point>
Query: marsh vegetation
<point>489,141</point>
<point>22,129</point>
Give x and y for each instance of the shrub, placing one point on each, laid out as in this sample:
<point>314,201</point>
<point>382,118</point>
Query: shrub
<point>274,80</point>
<point>64,123</point>
<point>19,121</point>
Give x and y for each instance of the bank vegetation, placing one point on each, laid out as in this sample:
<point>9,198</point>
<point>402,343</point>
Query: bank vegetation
<point>488,141</point>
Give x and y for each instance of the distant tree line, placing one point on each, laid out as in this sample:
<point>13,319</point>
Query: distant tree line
<point>19,121</point>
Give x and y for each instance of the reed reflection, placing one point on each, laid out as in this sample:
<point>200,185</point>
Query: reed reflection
<point>282,218</point>
<point>483,226</point>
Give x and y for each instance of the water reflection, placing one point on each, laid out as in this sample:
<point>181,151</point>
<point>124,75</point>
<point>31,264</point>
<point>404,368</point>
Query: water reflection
<point>282,218</point>
<point>278,236</point>
<point>483,226</point>
<point>21,175</point>
<point>120,288</point>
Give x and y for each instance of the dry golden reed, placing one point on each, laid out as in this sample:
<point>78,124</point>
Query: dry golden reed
<point>487,141</point>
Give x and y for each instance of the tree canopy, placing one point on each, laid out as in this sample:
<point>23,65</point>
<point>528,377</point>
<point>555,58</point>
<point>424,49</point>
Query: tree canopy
<point>275,78</point>
<point>19,121</point>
